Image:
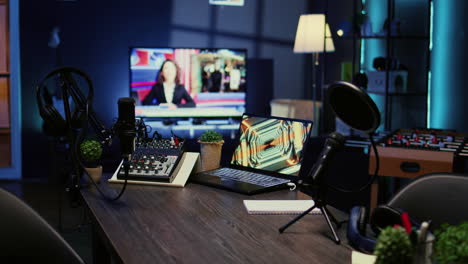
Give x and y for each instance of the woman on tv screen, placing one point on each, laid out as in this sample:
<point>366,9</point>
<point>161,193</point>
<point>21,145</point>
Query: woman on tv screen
<point>168,91</point>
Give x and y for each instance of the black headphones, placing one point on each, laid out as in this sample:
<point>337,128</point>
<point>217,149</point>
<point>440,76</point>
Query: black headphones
<point>381,217</point>
<point>55,124</point>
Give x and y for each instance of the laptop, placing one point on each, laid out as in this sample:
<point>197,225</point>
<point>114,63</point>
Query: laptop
<point>269,154</point>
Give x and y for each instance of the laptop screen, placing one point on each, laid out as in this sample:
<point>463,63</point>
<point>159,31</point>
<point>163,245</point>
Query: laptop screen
<point>271,144</point>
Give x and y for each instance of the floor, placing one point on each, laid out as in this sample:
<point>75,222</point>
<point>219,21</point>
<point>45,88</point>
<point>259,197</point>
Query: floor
<point>53,204</point>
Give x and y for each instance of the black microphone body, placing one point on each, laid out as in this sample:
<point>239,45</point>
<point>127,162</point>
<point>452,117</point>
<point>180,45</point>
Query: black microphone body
<point>126,126</point>
<point>335,141</point>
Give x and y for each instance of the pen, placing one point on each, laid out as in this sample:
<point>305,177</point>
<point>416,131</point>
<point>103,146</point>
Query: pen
<point>423,232</point>
<point>406,222</point>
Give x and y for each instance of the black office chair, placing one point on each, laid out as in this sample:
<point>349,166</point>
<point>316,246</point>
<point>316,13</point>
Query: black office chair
<point>440,197</point>
<point>25,237</point>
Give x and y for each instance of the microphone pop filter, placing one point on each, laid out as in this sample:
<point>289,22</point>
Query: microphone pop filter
<point>354,106</point>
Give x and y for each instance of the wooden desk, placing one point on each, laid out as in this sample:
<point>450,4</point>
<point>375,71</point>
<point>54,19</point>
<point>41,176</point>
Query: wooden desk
<point>199,224</point>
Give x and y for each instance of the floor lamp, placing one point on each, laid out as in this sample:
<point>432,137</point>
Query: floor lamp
<point>313,36</point>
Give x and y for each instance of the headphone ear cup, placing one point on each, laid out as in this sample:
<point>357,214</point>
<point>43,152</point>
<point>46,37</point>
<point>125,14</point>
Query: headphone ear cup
<point>362,221</point>
<point>384,216</point>
<point>55,125</point>
<point>355,237</point>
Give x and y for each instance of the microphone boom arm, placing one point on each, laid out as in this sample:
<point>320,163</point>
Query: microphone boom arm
<point>104,134</point>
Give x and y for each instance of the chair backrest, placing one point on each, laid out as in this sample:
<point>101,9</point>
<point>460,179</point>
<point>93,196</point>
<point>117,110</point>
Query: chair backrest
<point>26,237</point>
<point>440,197</point>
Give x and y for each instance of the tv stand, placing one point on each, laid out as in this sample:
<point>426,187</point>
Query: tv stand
<point>168,122</point>
<point>197,121</point>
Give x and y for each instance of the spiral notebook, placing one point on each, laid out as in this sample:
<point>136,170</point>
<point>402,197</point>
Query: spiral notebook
<point>276,207</point>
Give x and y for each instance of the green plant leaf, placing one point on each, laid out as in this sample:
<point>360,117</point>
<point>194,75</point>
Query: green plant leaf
<point>210,136</point>
<point>393,246</point>
<point>91,150</point>
<point>451,245</point>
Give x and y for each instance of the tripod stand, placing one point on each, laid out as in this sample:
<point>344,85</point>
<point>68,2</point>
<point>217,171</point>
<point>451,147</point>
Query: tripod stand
<point>320,203</point>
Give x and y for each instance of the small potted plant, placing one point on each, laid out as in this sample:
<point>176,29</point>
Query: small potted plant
<point>91,151</point>
<point>451,244</point>
<point>211,143</point>
<point>393,246</point>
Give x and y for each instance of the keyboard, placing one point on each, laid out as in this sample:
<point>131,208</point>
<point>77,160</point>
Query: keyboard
<point>248,176</point>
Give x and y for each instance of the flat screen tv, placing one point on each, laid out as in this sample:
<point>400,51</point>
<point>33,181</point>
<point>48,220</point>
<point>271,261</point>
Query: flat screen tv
<point>188,82</point>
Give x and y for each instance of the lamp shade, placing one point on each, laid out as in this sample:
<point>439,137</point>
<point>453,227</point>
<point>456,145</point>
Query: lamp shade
<point>310,35</point>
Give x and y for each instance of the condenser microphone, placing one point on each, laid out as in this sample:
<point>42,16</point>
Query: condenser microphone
<point>126,126</point>
<point>335,141</point>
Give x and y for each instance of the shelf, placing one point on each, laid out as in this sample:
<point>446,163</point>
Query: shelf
<point>407,37</point>
<point>406,41</point>
<point>4,74</point>
<point>5,130</point>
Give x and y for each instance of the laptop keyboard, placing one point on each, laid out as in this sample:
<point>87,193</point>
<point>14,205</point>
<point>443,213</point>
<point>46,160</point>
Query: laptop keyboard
<point>247,176</point>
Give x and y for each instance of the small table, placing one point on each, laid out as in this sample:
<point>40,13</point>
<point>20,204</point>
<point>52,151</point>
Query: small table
<point>199,224</point>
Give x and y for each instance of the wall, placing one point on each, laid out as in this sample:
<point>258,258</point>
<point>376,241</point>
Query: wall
<point>96,35</point>
<point>448,63</point>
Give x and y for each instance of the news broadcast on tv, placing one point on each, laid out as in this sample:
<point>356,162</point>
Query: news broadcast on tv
<point>188,82</point>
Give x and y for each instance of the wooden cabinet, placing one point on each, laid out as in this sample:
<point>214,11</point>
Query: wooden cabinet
<point>5,136</point>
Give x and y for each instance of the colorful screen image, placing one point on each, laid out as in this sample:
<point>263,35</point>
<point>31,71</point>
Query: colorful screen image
<point>186,82</point>
<point>271,144</point>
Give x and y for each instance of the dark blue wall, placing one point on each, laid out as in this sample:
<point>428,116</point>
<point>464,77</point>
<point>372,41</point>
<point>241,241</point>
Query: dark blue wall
<point>95,38</point>
<point>96,35</point>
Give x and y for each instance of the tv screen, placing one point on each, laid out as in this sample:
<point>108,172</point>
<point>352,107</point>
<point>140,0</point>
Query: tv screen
<point>188,82</point>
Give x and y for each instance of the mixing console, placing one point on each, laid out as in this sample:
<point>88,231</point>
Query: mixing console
<point>154,160</point>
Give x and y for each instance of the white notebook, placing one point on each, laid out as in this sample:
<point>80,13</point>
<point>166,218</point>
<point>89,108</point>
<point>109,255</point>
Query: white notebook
<point>279,206</point>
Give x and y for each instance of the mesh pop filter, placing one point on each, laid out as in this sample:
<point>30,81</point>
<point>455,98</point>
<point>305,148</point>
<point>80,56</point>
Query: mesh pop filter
<point>353,106</point>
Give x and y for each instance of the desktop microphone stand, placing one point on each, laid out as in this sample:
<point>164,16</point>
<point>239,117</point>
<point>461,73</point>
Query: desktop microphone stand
<point>320,203</point>
<point>71,92</point>
<point>75,171</point>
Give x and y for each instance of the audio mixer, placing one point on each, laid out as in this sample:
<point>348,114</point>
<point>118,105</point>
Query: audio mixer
<point>154,160</point>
